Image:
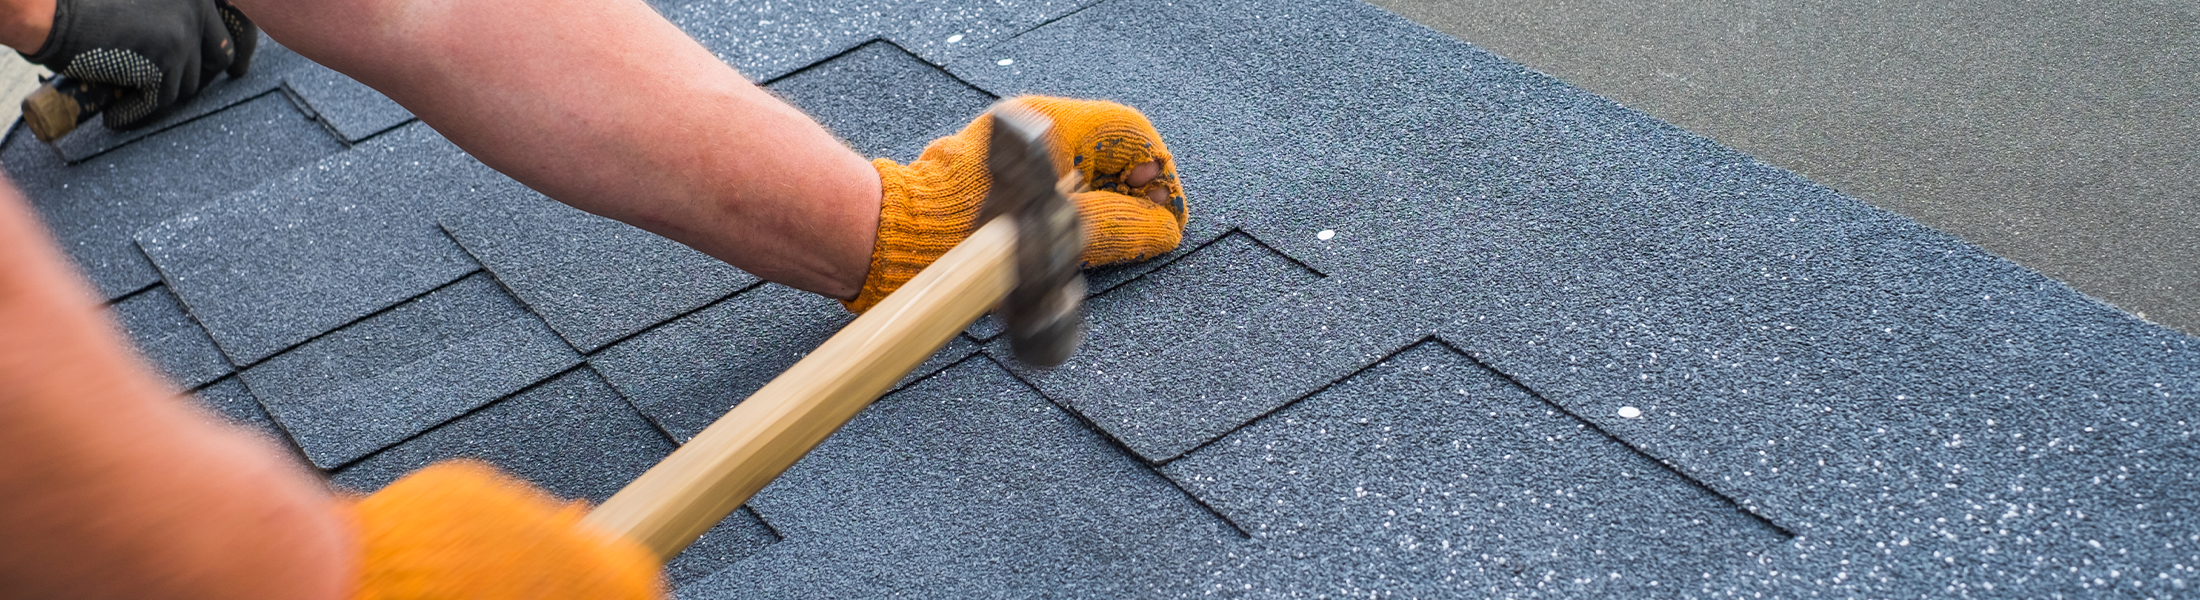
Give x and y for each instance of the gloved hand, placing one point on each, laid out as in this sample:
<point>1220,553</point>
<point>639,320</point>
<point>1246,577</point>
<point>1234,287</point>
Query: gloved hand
<point>463,529</point>
<point>160,51</point>
<point>932,203</point>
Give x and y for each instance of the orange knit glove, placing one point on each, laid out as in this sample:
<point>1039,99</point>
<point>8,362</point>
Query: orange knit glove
<point>463,530</point>
<point>932,204</point>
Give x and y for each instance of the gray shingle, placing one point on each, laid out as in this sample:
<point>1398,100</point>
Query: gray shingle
<point>882,100</point>
<point>1426,459</point>
<point>970,485</point>
<point>269,65</point>
<point>686,374</point>
<point>766,40</point>
<point>346,107</point>
<point>233,401</point>
<point>385,378</point>
<point>593,279</point>
<point>317,248</point>
<point>1209,342</point>
<point>95,206</point>
<point>574,437</point>
<point>1840,370</point>
<point>169,338</point>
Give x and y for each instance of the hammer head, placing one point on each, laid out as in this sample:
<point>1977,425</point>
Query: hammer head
<point>1041,312</point>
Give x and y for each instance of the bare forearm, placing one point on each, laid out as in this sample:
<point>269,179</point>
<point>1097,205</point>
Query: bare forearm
<point>604,105</point>
<point>24,24</point>
<point>115,487</point>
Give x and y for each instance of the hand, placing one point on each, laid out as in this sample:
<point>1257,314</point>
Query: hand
<point>160,51</point>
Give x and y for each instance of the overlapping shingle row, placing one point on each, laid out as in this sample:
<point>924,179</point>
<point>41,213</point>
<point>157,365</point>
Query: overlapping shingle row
<point>1441,326</point>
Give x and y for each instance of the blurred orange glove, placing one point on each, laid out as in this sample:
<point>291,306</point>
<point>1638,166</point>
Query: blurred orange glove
<point>463,530</point>
<point>932,203</point>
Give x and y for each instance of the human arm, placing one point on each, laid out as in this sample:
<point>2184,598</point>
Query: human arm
<point>25,23</point>
<point>117,486</point>
<point>604,105</point>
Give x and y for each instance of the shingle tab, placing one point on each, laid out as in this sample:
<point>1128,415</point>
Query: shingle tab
<point>1840,370</point>
<point>882,100</point>
<point>317,248</point>
<point>970,485</point>
<point>346,107</point>
<point>380,380</point>
<point>94,207</point>
<point>233,401</point>
<point>1205,344</point>
<point>169,338</point>
<point>768,39</point>
<point>270,64</point>
<point>1430,459</point>
<point>574,437</point>
<point>686,374</point>
<point>593,279</point>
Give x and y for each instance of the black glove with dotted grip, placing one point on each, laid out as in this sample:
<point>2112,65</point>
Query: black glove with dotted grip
<point>159,52</point>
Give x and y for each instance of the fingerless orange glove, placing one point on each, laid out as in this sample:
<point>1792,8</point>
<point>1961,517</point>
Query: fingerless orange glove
<point>932,203</point>
<point>463,530</point>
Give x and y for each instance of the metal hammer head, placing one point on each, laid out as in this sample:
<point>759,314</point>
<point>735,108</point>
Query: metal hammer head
<point>1041,312</point>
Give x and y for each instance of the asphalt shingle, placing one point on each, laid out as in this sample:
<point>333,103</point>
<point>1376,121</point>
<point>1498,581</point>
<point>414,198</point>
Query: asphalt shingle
<point>95,206</point>
<point>1224,335</point>
<point>309,251</point>
<point>768,39</point>
<point>970,485</point>
<point>573,436</point>
<point>349,109</point>
<point>687,373</point>
<point>270,64</point>
<point>383,379</point>
<point>1663,335</point>
<point>593,279</point>
<point>174,343</point>
<point>1427,458</point>
<point>882,100</point>
<point>230,398</point>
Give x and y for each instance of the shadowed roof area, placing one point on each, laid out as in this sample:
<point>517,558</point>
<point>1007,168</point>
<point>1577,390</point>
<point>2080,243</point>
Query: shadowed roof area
<point>1441,326</point>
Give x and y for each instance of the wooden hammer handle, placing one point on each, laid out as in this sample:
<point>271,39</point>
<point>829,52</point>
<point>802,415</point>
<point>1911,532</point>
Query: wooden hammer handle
<point>673,503</point>
<point>56,108</point>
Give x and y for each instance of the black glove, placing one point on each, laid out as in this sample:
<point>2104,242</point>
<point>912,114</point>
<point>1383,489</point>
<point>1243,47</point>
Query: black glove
<point>159,52</point>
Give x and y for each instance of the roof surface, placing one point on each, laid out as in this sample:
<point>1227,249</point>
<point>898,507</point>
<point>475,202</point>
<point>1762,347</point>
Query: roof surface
<point>1442,326</point>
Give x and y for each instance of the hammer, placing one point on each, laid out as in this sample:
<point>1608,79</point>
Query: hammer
<point>1024,259</point>
<point>56,108</point>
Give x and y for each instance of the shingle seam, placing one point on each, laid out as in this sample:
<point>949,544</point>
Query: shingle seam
<point>340,327</point>
<point>1309,394</point>
<point>623,399</point>
<point>653,326</point>
<point>1271,248</point>
<point>299,100</point>
<point>462,416</point>
<point>1785,533</point>
<point>777,535</point>
<point>377,133</point>
<point>1118,445</point>
<point>163,129</point>
<point>1147,268</point>
<point>125,296</point>
<point>820,63</point>
<point>1051,21</point>
<point>977,349</point>
<point>288,441</point>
